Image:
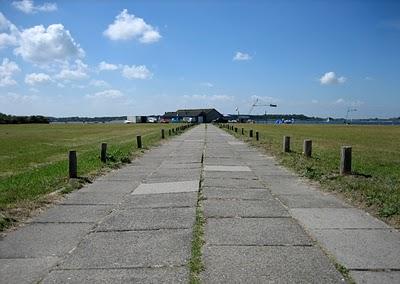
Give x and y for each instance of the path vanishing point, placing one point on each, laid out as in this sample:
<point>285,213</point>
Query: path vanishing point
<point>263,224</point>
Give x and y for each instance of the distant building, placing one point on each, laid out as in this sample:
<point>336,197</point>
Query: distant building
<point>193,115</point>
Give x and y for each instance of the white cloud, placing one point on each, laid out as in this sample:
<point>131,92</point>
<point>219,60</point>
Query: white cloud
<point>314,101</point>
<point>8,32</point>
<point>104,66</point>
<point>136,72</point>
<point>107,94</point>
<point>207,84</point>
<point>42,45</point>
<point>127,26</point>
<point>356,103</point>
<point>99,83</point>
<point>14,98</point>
<point>78,71</point>
<point>36,78</point>
<point>28,6</point>
<point>339,101</point>
<point>209,97</point>
<point>7,70</point>
<point>241,56</point>
<point>331,78</point>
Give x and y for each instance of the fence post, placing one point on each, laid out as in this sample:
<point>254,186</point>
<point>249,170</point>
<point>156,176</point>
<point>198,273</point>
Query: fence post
<point>345,160</point>
<point>286,143</point>
<point>242,131</point>
<point>103,154</point>
<point>236,129</point>
<point>251,133</point>
<point>257,136</point>
<point>162,134</point>
<point>73,165</point>
<point>307,148</point>
<point>169,132</point>
<point>139,141</point>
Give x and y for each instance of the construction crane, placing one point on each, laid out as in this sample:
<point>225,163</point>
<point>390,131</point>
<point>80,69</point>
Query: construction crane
<point>349,110</point>
<point>258,104</point>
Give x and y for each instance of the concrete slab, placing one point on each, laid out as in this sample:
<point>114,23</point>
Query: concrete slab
<point>74,214</point>
<point>362,249</point>
<point>311,200</point>
<point>40,240</point>
<point>149,219</point>
<point>244,208</point>
<point>167,187</point>
<point>227,168</point>
<point>110,186</point>
<point>93,198</point>
<point>376,277</point>
<point>255,231</point>
<point>332,218</point>
<point>137,275</point>
<point>232,183</point>
<point>236,143</point>
<point>230,175</point>
<point>244,194</point>
<point>286,185</point>
<point>131,249</point>
<point>25,270</point>
<point>166,200</point>
<point>255,264</point>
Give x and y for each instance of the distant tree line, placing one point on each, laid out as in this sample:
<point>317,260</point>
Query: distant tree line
<point>13,119</point>
<point>86,119</point>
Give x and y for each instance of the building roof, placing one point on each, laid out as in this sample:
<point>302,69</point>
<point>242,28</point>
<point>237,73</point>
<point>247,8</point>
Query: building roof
<point>189,112</point>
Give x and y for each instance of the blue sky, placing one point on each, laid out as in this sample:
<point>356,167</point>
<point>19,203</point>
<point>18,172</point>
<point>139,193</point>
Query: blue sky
<point>101,58</point>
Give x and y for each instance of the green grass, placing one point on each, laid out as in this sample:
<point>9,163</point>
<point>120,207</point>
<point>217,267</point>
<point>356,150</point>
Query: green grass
<point>375,182</point>
<point>33,158</point>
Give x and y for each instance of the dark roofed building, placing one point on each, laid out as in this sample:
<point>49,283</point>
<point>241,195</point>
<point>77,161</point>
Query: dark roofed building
<point>194,115</point>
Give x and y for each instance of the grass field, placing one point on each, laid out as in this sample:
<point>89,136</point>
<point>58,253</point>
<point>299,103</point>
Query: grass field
<point>33,158</point>
<point>375,183</point>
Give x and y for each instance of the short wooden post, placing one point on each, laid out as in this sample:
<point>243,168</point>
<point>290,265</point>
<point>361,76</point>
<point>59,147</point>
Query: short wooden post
<point>242,131</point>
<point>257,136</point>
<point>73,164</point>
<point>169,132</point>
<point>139,141</point>
<point>345,160</point>
<point>173,130</point>
<point>236,129</point>
<point>251,133</point>
<point>103,154</point>
<point>162,134</point>
<point>286,144</point>
<point>307,148</point>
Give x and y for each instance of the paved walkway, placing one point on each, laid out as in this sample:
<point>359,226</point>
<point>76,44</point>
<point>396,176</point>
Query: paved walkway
<point>263,224</point>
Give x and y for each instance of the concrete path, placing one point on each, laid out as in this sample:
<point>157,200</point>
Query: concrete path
<point>132,225</point>
<point>263,224</point>
<point>266,225</point>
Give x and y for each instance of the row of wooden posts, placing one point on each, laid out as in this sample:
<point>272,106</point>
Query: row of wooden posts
<point>73,161</point>
<point>345,151</point>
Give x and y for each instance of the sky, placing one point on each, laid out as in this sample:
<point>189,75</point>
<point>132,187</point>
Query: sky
<point>115,58</point>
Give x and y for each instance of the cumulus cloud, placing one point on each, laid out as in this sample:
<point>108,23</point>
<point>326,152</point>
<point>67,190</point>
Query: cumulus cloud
<point>350,103</point>
<point>14,98</point>
<point>127,26</point>
<point>28,6</point>
<point>331,78</point>
<point>107,94</point>
<point>136,72</point>
<point>207,84</point>
<point>209,97</point>
<point>7,70</point>
<point>8,32</point>
<point>99,83</point>
<point>104,66</point>
<point>77,71</point>
<point>241,56</point>
<point>42,45</point>
<point>36,78</point>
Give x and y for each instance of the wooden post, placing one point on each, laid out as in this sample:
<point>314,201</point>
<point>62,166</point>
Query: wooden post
<point>345,160</point>
<point>139,141</point>
<point>162,134</point>
<point>236,129</point>
<point>169,132</point>
<point>173,130</point>
<point>73,165</point>
<point>242,131</point>
<point>286,144</point>
<point>103,154</point>
<point>307,148</point>
<point>257,136</point>
<point>251,133</point>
